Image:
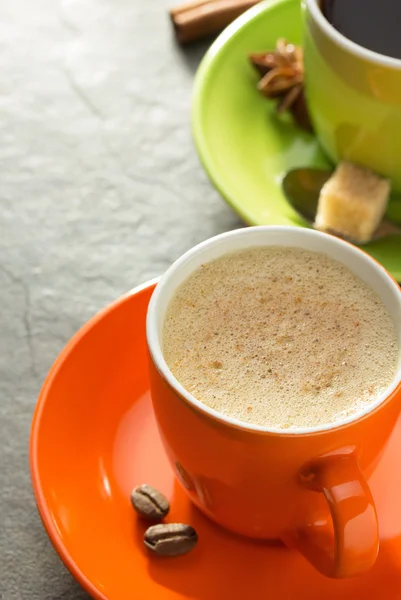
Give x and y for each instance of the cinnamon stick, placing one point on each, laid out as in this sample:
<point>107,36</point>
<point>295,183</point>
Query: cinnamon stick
<point>201,18</point>
<point>181,8</point>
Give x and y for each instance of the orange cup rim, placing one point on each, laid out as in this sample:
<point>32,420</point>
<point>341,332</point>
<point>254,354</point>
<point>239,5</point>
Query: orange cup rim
<point>154,344</point>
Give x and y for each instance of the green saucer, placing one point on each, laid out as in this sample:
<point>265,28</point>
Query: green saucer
<point>244,146</point>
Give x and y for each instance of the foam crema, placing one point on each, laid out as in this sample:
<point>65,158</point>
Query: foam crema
<point>280,337</point>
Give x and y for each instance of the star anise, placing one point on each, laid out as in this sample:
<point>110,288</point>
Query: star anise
<point>282,72</point>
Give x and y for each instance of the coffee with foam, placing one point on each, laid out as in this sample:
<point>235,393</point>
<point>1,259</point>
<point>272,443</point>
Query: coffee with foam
<point>280,337</point>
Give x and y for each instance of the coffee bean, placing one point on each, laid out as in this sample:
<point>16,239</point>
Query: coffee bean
<point>149,503</point>
<point>170,539</point>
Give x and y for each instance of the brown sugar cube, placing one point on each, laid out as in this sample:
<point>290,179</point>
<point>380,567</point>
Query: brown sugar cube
<point>352,202</point>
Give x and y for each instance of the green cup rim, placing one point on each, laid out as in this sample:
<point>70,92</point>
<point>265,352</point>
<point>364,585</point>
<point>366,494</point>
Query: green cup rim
<point>346,44</point>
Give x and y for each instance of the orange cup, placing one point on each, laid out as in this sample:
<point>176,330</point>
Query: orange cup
<point>307,487</point>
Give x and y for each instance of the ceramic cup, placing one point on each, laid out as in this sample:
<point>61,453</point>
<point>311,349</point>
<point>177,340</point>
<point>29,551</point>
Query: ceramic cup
<point>354,97</point>
<point>307,487</point>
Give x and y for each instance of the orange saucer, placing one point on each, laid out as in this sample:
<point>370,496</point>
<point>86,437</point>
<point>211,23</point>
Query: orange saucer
<point>94,438</point>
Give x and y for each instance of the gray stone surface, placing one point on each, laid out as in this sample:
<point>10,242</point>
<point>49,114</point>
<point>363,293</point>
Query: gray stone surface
<point>100,189</point>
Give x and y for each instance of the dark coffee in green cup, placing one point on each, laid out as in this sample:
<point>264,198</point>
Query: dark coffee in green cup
<point>354,92</point>
<point>373,24</point>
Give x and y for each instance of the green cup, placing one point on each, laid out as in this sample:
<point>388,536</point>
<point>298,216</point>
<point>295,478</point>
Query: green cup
<point>354,97</point>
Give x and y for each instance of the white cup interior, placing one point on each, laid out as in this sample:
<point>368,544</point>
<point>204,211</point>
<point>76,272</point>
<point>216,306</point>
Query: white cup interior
<point>357,261</point>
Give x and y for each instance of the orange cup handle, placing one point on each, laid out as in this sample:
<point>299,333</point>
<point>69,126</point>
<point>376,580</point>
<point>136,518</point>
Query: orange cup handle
<point>350,546</point>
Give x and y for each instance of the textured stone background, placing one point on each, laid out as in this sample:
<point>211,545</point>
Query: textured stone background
<point>100,189</point>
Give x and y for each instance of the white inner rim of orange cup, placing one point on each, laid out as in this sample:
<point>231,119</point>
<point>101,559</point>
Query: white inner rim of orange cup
<point>357,261</point>
<point>347,44</point>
